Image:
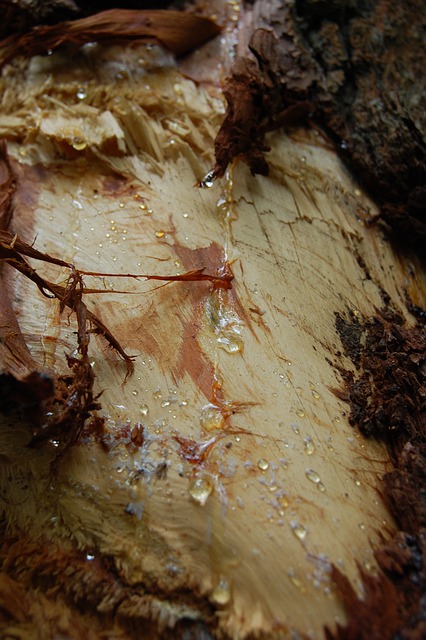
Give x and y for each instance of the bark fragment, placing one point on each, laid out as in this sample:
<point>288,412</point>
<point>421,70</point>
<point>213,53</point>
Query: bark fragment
<point>178,31</point>
<point>377,616</point>
<point>18,16</point>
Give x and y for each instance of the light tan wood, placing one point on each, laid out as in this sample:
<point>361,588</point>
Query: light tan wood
<point>107,160</point>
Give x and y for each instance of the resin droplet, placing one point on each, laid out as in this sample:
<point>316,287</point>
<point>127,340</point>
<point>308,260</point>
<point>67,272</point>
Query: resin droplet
<point>296,581</point>
<point>221,594</point>
<point>321,487</point>
<point>313,476</point>
<point>160,234</point>
<point>299,530</point>
<point>263,464</point>
<point>309,446</point>
<point>231,343</point>
<point>208,181</point>
<point>283,502</point>
<point>144,409</point>
<point>211,418</point>
<point>300,413</point>
<point>200,490</point>
<point>78,144</point>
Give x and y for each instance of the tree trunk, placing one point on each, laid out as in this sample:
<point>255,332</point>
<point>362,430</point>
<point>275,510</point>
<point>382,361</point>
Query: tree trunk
<point>187,466</point>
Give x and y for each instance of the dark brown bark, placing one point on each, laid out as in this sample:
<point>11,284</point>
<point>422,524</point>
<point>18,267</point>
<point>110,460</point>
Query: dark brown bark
<point>177,31</point>
<point>387,401</point>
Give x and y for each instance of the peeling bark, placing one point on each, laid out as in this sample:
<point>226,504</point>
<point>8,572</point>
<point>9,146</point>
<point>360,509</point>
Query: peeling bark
<point>179,32</point>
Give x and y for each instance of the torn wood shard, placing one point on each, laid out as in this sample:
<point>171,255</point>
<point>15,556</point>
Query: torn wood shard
<point>84,130</point>
<point>223,490</point>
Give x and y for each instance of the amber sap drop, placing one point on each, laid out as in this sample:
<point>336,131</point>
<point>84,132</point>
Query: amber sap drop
<point>221,594</point>
<point>211,418</point>
<point>200,490</point>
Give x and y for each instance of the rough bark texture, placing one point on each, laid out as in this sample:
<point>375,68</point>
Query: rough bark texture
<point>387,397</point>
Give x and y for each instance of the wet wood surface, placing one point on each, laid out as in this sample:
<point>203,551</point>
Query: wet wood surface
<point>227,479</point>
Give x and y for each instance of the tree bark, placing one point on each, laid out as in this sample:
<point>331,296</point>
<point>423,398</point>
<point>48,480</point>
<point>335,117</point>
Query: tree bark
<point>179,456</point>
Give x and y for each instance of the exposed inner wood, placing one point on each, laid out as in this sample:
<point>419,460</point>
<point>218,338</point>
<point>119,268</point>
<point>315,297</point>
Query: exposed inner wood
<point>221,481</point>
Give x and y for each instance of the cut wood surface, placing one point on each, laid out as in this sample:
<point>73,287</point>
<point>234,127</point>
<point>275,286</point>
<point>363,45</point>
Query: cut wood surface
<point>221,480</point>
